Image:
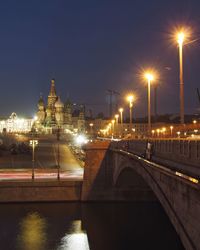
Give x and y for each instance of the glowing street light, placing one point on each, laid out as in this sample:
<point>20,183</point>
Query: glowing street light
<point>121,115</point>
<point>163,131</point>
<point>117,122</point>
<point>171,129</point>
<point>33,144</point>
<point>113,126</point>
<point>130,99</point>
<point>149,77</point>
<point>91,128</point>
<point>180,37</point>
<point>121,119</point>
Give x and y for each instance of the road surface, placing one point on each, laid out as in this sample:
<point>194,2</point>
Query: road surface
<point>48,155</point>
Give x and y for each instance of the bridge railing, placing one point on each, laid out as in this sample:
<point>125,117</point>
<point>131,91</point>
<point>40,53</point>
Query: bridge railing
<point>180,151</point>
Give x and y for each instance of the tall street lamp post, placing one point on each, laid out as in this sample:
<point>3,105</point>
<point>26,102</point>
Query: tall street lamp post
<point>130,99</point>
<point>33,144</point>
<point>117,123</point>
<point>58,152</point>
<point>149,77</point>
<point>180,40</point>
<point>121,119</point>
<point>113,127</point>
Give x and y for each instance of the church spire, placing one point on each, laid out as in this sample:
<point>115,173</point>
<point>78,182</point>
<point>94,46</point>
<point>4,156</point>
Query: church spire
<point>52,90</point>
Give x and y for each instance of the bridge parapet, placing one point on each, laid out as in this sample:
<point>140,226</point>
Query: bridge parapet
<point>186,152</point>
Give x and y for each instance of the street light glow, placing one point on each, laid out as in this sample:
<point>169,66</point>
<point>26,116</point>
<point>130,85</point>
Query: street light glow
<point>149,76</point>
<point>130,98</point>
<point>180,37</point>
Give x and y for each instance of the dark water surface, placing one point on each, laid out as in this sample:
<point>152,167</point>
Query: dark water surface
<point>81,226</point>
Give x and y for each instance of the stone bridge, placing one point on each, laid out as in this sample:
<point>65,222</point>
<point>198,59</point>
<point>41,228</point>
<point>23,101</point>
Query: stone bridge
<point>117,171</point>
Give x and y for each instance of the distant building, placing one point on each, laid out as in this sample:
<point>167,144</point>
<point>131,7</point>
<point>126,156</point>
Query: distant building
<point>58,115</point>
<point>15,124</point>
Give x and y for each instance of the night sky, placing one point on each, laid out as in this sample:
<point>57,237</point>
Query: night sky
<point>91,46</point>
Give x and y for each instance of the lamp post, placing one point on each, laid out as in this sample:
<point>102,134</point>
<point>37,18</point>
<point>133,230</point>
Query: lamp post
<point>58,152</point>
<point>113,127</point>
<point>91,128</point>
<point>121,119</point>
<point>149,77</point>
<point>171,129</point>
<point>130,99</point>
<point>180,40</point>
<point>33,144</point>
<point>117,123</point>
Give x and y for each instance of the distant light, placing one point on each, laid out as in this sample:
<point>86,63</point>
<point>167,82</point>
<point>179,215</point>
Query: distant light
<point>81,139</point>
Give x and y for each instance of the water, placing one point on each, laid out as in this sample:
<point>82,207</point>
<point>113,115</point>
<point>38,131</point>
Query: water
<point>86,226</point>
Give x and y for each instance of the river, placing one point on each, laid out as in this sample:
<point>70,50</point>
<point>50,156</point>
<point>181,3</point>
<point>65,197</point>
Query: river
<point>86,226</point>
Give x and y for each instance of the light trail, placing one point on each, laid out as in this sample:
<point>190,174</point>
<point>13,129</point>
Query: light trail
<point>40,175</point>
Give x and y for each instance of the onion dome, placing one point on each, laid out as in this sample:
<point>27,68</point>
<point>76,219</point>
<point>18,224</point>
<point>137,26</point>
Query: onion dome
<point>41,101</point>
<point>58,103</point>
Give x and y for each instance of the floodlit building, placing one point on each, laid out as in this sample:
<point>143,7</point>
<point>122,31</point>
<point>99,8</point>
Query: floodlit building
<point>57,114</point>
<point>15,124</point>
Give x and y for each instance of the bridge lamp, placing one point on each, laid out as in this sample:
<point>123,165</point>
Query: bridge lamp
<point>130,99</point>
<point>171,129</point>
<point>153,132</point>
<point>121,115</point>
<point>149,77</point>
<point>178,133</point>
<point>163,131</point>
<point>180,39</point>
<point>158,132</point>
<point>113,125</point>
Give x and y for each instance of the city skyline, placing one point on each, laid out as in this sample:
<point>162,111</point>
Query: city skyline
<point>91,47</point>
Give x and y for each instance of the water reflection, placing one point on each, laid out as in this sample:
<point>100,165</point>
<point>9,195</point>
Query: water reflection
<point>75,239</point>
<point>63,226</point>
<point>32,234</point>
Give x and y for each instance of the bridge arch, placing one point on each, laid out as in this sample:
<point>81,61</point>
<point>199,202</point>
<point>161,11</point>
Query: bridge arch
<point>167,189</point>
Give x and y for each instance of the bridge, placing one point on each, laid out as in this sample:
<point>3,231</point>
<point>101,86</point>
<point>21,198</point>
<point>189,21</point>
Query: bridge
<point>118,171</point>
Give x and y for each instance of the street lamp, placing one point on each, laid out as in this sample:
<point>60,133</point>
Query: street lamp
<point>58,153</point>
<point>117,122</point>
<point>113,126</point>
<point>33,144</point>
<point>171,129</point>
<point>180,41</point>
<point>91,128</point>
<point>121,115</point>
<point>130,99</point>
<point>121,119</point>
<point>149,77</point>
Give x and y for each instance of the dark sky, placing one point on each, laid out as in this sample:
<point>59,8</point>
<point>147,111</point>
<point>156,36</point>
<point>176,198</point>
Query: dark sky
<point>91,46</point>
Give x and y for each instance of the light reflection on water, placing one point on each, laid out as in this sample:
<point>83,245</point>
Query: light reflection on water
<point>76,240</point>
<point>32,232</point>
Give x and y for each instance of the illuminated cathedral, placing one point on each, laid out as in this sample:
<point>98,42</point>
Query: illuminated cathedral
<point>58,115</point>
